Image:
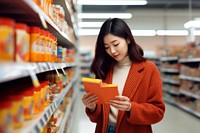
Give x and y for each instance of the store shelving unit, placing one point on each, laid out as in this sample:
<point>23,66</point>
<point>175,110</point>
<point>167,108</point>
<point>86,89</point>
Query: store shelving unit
<point>180,87</point>
<point>155,60</point>
<point>190,87</point>
<point>40,120</point>
<point>170,72</point>
<point>27,11</point>
<point>86,61</point>
<point>12,71</point>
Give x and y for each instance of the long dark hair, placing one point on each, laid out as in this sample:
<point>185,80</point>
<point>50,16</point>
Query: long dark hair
<point>102,60</point>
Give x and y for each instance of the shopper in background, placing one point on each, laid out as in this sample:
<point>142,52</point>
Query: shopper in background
<point>119,60</point>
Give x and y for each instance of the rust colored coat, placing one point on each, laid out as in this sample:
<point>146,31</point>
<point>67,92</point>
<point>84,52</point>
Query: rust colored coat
<point>144,88</point>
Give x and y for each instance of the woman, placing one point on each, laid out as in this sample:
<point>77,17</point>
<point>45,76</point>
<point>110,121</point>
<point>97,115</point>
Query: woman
<point>119,60</point>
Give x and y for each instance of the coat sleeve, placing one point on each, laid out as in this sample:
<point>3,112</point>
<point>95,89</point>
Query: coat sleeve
<point>96,115</point>
<point>151,111</point>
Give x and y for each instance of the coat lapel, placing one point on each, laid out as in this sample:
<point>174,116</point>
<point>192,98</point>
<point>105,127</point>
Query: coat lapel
<point>133,79</point>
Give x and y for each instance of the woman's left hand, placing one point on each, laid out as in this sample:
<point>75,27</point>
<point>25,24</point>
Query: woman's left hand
<point>121,103</point>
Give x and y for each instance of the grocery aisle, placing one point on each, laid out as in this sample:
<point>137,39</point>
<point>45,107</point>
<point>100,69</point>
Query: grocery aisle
<point>175,121</point>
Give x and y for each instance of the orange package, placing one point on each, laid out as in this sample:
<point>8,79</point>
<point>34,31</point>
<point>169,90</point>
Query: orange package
<point>104,91</point>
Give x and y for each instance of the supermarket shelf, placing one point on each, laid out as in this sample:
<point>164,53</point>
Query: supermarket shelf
<point>66,116</point>
<point>184,108</point>
<point>68,16</point>
<point>169,70</point>
<point>189,60</point>
<point>171,81</point>
<point>189,94</point>
<point>65,38</point>
<point>86,59</point>
<point>189,78</point>
<point>28,12</point>
<point>168,90</point>
<point>169,58</point>
<point>39,121</point>
<point>74,111</point>
<point>67,112</point>
<point>11,71</point>
<point>85,66</point>
<point>62,95</point>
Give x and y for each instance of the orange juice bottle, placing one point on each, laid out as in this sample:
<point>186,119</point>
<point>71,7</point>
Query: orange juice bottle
<point>28,103</point>
<point>36,100</point>
<point>5,116</point>
<point>48,46</point>
<point>47,93</point>
<point>41,46</point>
<point>17,110</point>
<point>21,42</point>
<point>27,53</point>
<point>6,39</point>
<point>51,49</point>
<point>42,93</point>
<point>55,49</point>
<point>34,43</point>
<point>45,46</point>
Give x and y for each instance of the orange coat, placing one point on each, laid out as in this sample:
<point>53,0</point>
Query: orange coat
<point>144,88</point>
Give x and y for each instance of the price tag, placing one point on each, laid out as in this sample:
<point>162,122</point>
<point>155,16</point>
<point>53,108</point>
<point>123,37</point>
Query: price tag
<point>50,66</point>
<point>44,24</point>
<point>33,76</point>
<point>62,69</point>
<point>56,69</point>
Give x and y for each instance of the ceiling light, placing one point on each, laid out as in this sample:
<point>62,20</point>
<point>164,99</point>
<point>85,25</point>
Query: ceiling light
<point>112,2</point>
<point>104,15</point>
<point>90,24</point>
<point>143,32</point>
<point>172,32</point>
<point>192,23</point>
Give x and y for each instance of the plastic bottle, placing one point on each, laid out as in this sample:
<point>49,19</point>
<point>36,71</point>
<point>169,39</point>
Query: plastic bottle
<point>5,116</point>
<point>21,42</point>
<point>7,39</point>
<point>34,43</point>
<point>28,103</point>
<point>36,100</point>
<point>16,109</point>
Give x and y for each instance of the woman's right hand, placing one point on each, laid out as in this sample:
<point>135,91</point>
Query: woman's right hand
<point>89,101</point>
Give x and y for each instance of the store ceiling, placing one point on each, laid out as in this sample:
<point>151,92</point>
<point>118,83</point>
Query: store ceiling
<point>155,15</point>
<point>151,4</point>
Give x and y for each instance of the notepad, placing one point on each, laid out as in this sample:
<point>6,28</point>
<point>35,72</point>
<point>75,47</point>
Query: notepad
<point>103,91</point>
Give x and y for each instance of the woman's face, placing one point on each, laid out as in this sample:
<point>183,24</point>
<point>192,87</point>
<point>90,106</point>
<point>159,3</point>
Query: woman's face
<point>116,47</point>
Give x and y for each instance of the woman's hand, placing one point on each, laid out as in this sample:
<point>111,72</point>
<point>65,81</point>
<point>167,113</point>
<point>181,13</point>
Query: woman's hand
<point>121,103</point>
<point>89,101</point>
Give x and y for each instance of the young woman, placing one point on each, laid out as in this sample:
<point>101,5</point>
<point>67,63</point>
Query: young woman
<point>119,60</point>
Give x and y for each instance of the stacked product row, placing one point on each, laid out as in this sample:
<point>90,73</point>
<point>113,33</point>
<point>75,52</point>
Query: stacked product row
<point>24,102</point>
<point>22,43</point>
<point>180,70</point>
<point>57,14</point>
<point>34,94</point>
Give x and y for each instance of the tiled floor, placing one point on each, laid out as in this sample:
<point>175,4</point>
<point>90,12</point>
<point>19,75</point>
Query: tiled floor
<point>175,121</point>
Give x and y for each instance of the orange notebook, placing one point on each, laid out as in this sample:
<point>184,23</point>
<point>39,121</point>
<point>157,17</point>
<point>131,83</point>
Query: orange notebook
<point>104,91</point>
